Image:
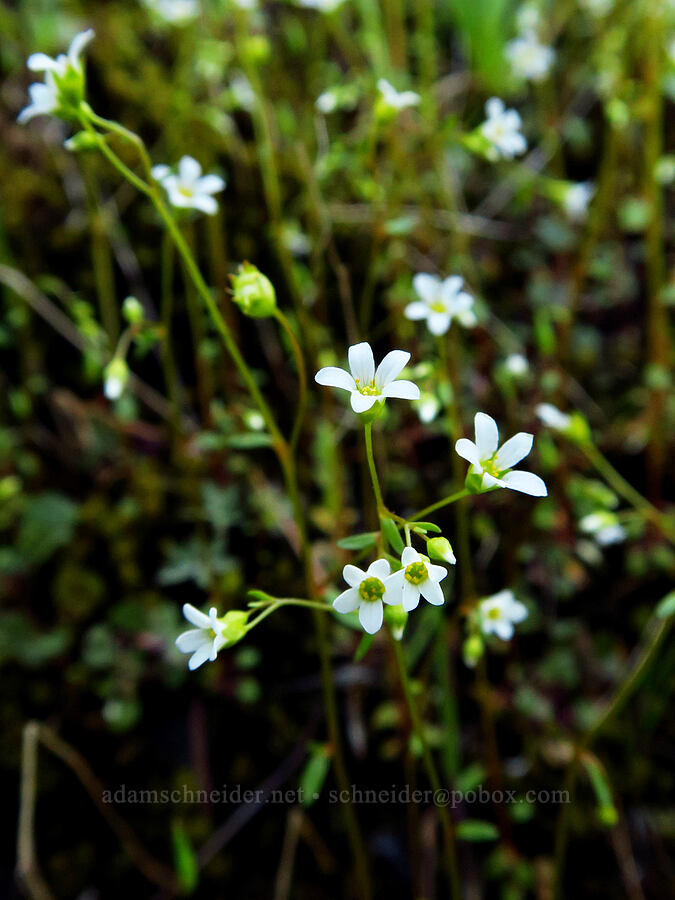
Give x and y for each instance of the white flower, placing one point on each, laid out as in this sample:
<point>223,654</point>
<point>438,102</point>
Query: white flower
<point>528,17</point>
<point>552,417</point>
<point>516,365</point>
<point>366,385</point>
<point>576,200</point>
<point>529,58</point>
<point>502,129</point>
<point>204,641</point>
<point>493,463</point>
<point>597,7</point>
<point>327,102</point>
<point>440,302</point>
<point>63,86</point>
<point>242,92</point>
<point>604,526</point>
<point>394,99</point>
<point>177,12</point>
<point>367,592</point>
<point>428,407</point>
<point>322,5</point>
<point>190,189</point>
<point>116,375</point>
<point>418,577</point>
<point>499,613</point>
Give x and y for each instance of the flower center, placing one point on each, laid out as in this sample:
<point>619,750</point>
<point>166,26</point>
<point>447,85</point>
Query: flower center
<point>437,306</point>
<point>494,613</point>
<point>371,589</point>
<point>186,191</point>
<point>490,466</point>
<point>416,572</point>
<point>370,389</point>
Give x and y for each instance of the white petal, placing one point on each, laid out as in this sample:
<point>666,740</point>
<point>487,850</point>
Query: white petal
<point>416,310</point>
<point>517,611</point>
<point>489,481</point>
<point>210,184</point>
<point>361,362</point>
<point>77,45</point>
<point>409,556</point>
<point>436,573</point>
<point>200,656</point>
<point>468,451</point>
<point>391,367</point>
<point>379,569</point>
<point>432,592</point>
<point>515,449</point>
<point>189,169</point>
<point>371,615</point>
<point>353,575</point>
<point>526,483</point>
<point>426,286</point>
<point>487,435</point>
<point>195,617</point>
<point>205,204</point>
<point>40,62</point>
<point>189,641</point>
<point>438,322</point>
<point>503,629</point>
<point>402,390</point>
<point>393,585</point>
<point>494,107</point>
<point>347,601</point>
<point>362,402</point>
<point>160,172</point>
<point>411,596</point>
<point>451,287</point>
<point>334,377</point>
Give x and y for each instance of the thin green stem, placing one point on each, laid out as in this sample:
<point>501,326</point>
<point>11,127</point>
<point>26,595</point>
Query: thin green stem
<point>439,504</point>
<point>368,432</point>
<point>432,773</point>
<point>302,378</point>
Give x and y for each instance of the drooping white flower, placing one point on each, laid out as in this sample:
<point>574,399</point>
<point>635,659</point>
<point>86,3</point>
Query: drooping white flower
<point>417,578</point>
<point>115,378</point>
<point>502,130</point>
<point>189,189</point>
<point>367,592</point>
<point>552,417</point>
<point>440,302</point>
<point>516,365</point>
<point>528,57</point>
<point>205,640</point>
<point>576,199</point>
<point>63,87</point>
<point>493,463</point>
<point>396,100</point>
<point>498,614</point>
<point>175,12</point>
<point>604,526</point>
<point>365,385</point>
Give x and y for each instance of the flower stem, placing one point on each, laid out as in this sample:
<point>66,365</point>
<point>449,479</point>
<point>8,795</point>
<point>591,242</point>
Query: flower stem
<point>445,501</point>
<point>302,377</point>
<point>450,856</point>
<point>368,432</point>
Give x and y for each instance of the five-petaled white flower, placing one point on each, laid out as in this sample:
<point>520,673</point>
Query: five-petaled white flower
<point>176,12</point>
<point>552,417</point>
<point>367,592</point>
<point>499,613</point>
<point>440,302</point>
<point>576,199</point>
<point>528,57</point>
<point>492,463</point>
<point>189,189</point>
<point>205,640</point>
<point>394,99</point>
<point>63,87</point>
<point>418,577</point>
<point>502,130</point>
<point>366,385</point>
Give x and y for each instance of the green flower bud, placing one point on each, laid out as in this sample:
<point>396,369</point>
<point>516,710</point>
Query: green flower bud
<point>441,548</point>
<point>396,617</point>
<point>253,292</point>
<point>235,626</point>
<point>472,650</point>
<point>473,482</point>
<point>116,375</point>
<point>83,140</point>
<point>132,311</point>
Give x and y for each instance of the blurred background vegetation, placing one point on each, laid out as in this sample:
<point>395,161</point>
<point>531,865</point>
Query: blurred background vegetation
<point>113,515</point>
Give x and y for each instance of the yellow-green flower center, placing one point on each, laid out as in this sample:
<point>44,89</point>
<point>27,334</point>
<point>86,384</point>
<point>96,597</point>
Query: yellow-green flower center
<point>186,191</point>
<point>416,572</point>
<point>370,389</point>
<point>371,589</point>
<point>437,306</point>
<point>494,613</point>
<point>490,466</point>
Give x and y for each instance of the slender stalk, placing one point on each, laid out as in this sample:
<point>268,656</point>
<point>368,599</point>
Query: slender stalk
<point>302,378</point>
<point>450,857</point>
<point>439,504</point>
<point>368,432</point>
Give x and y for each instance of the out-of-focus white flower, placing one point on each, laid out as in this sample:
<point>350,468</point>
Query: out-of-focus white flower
<point>365,385</point>
<point>64,84</point>
<point>499,613</point>
<point>327,102</point>
<point>396,100</point>
<point>502,130</point>
<point>440,303</point>
<point>115,378</point>
<point>528,17</point>
<point>597,7</point>
<point>246,4</point>
<point>367,592</point>
<point>205,640</point>
<point>322,5</point>
<point>492,463</point>
<point>528,57</point>
<point>604,526</point>
<point>552,417</point>
<point>189,189</point>
<point>417,578</point>
<point>242,92</point>
<point>428,407</point>
<point>516,365</point>
<point>576,199</point>
<point>175,12</point>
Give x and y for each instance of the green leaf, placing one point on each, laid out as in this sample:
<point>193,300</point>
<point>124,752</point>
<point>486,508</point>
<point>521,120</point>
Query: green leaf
<point>477,830</point>
<point>249,441</point>
<point>358,541</point>
<point>314,774</point>
<point>425,526</point>
<point>391,533</point>
<point>184,858</point>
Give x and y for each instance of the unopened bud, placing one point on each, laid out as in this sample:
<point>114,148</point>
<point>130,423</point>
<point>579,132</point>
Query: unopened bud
<point>116,375</point>
<point>133,311</point>
<point>441,548</point>
<point>253,292</point>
